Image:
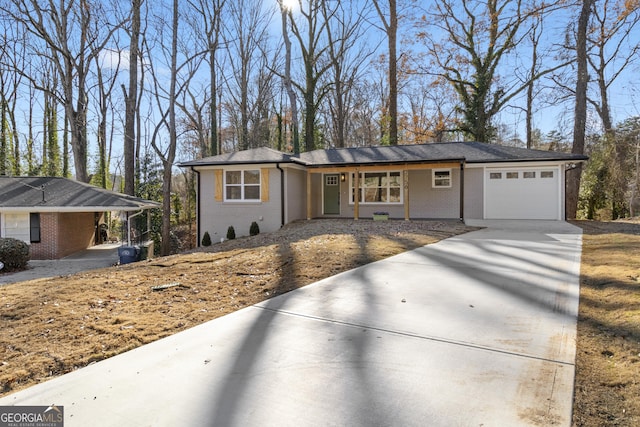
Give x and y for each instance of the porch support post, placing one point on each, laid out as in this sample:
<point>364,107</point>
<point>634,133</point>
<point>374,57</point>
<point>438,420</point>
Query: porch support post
<point>356,195</point>
<point>462,190</point>
<point>405,185</point>
<point>308,194</point>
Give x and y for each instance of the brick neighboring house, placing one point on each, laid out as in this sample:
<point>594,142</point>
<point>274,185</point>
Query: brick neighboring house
<point>58,216</point>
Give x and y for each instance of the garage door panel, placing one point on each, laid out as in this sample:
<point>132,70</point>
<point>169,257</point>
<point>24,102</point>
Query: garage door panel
<point>522,194</point>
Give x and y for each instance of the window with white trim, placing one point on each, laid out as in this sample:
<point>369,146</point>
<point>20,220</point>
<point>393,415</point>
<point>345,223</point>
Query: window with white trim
<point>378,187</point>
<point>441,178</point>
<point>242,185</point>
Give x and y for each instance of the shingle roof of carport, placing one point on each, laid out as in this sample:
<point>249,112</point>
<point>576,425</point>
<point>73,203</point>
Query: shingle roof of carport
<point>48,194</point>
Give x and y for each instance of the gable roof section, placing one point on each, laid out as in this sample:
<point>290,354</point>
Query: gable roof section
<point>469,152</point>
<point>55,194</point>
<point>252,156</point>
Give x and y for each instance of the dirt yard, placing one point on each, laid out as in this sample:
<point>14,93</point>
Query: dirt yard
<point>53,326</point>
<point>607,391</point>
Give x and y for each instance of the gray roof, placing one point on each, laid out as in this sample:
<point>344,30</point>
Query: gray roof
<point>55,194</point>
<point>252,156</point>
<point>469,152</point>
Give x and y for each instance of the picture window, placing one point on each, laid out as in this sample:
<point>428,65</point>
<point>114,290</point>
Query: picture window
<point>378,187</point>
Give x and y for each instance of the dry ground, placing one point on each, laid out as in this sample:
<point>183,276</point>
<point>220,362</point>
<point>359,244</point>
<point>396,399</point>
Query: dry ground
<point>607,391</point>
<point>52,326</point>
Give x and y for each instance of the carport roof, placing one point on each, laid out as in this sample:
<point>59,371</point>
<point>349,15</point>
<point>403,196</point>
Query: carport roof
<point>56,194</point>
<point>469,152</point>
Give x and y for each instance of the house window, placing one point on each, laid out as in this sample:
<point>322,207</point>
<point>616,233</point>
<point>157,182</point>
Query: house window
<point>378,187</point>
<point>332,180</point>
<point>441,178</point>
<point>528,175</point>
<point>34,224</point>
<point>512,175</point>
<point>242,185</point>
<point>546,174</point>
<point>495,175</point>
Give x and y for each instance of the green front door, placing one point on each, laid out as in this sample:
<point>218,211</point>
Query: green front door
<point>331,205</point>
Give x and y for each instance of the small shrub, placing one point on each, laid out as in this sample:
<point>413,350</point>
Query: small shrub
<point>14,254</point>
<point>254,230</point>
<point>206,239</point>
<point>231,233</point>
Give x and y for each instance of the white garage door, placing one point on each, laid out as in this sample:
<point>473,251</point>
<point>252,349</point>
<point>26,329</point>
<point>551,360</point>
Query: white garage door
<point>524,193</point>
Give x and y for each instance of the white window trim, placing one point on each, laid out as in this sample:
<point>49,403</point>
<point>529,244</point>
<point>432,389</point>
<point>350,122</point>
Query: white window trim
<point>433,178</point>
<point>352,193</point>
<point>242,198</point>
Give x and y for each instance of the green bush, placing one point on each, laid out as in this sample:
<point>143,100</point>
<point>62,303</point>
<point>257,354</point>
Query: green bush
<point>14,254</point>
<point>254,230</point>
<point>206,239</point>
<point>231,233</point>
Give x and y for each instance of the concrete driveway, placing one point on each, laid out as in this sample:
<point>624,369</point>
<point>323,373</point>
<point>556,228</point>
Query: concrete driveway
<point>476,330</point>
<point>98,256</point>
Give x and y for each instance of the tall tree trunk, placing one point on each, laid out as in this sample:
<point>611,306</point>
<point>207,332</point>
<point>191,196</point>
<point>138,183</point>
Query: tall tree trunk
<point>391,30</point>
<point>131,102</point>
<point>580,119</point>
<point>288,84</point>
<point>393,74</point>
<point>213,132</point>
<point>171,152</point>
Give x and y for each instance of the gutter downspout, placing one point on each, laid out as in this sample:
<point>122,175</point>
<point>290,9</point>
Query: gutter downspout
<point>197,207</point>
<point>282,204</point>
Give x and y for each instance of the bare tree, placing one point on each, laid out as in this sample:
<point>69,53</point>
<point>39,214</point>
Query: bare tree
<point>390,25</point>
<point>209,15</point>
<point>288,82</point>
<point>106,79</point>
<point>314,16</point>
<point>246,41</point>
<point>580,119</point>
<point>176,49</point>
<point>72,34</point>
<point>347,54</point>
<point>131,98</point>
<point>478,36</point>
<point>612,49</point>
<point>12,57</point>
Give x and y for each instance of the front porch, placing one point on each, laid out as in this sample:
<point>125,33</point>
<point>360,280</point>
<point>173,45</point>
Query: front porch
<point>406,191</point>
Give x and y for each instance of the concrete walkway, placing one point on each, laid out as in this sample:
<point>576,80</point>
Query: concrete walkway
<point>99,256</point>
<point>476,330</point>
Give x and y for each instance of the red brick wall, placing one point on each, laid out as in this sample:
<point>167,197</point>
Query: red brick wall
<point>47,248</point>
<point>76,231</point>
<point>62,234</point>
